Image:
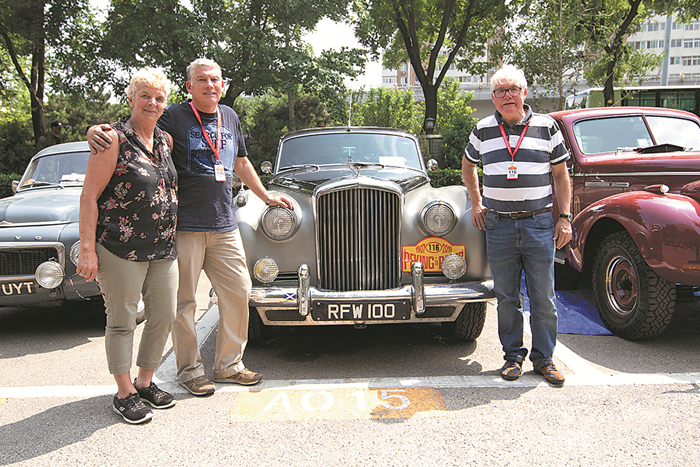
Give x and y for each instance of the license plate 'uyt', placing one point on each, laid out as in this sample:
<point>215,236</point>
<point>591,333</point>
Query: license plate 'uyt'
<point>17,288</point>
<point>360,310</point>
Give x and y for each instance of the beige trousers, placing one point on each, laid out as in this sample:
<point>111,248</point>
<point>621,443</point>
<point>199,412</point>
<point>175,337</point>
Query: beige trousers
<point>121,283</point>
<point>222,257</point>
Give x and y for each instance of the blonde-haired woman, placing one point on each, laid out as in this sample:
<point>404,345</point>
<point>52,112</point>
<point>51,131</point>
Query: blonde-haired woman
<point>128,215</point>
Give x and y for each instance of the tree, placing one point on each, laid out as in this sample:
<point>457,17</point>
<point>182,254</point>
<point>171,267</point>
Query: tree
<point>257,43</point>
<point>419,32</point>
<point>607,26</point>
<point>552,52</point>
<point>29,29</point>
<point>386,108</point>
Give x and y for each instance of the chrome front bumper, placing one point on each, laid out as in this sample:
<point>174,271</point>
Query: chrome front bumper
<point>420,295</point>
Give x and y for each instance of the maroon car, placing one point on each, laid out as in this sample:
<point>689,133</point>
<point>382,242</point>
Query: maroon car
<point>636,200</point>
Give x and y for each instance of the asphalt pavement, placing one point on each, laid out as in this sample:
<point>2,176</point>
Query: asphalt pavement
<point>382,395</point>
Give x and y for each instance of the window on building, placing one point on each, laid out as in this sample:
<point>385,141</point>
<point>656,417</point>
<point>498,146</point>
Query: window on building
<point>389,80</point>
<point>404,68</point>
<point>691,61</point>
<point>676,42</point>
<point>675,61</point>
<point>404,80</point>
<point>688,44</point>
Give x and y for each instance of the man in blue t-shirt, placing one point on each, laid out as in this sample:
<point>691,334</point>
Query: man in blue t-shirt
<point>522,154</point>
<point>208,147</point>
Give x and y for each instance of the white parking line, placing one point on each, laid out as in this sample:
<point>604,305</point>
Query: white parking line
<point>584,375</point>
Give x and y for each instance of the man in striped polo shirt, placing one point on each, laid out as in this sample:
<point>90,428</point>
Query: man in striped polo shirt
<point>522,153</point>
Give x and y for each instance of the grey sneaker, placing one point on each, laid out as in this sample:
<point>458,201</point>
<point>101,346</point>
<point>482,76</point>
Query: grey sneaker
<point>132,409</point>
<point>199,386</point>
<point>244,377</point>
<point>155,397</point>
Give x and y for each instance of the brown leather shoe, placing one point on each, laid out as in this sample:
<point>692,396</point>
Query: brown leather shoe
<point>550,373</point>
<point>511,370</point>
<point>199,386</point>
<point>244,377</point>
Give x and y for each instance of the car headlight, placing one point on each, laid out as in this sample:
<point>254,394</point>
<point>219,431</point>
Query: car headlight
<point>279,223</point>
<point>266,270</point>
<point>454,266</point>
<point>49,274</point>
<point>438,218</point>
<point>74,253</point>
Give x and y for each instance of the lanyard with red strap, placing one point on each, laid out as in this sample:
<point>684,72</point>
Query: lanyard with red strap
<point>520,140</point>
<point>216,149</point>
<point>512,170</point>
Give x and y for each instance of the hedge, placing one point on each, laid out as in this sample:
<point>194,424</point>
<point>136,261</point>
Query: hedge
<point>6,184</point>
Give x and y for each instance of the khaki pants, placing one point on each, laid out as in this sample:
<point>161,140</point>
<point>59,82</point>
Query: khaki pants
<point>121,283</point>
<point>222,257</point>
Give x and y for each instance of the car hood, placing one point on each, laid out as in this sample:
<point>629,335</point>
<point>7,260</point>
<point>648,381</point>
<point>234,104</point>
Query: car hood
<point>41,206</point>
<point>308,181</point>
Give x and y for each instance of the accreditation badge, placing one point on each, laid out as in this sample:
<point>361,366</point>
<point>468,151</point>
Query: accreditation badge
<point>219,173</point>
<point>512,172</point>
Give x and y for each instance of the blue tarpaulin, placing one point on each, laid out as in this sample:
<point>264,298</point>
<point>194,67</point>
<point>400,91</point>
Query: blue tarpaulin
<point>577,312</point>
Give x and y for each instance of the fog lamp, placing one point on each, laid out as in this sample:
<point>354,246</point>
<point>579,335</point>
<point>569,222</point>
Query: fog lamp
<point>266,270</point>
<point>49,274</point>
<point>454,266</point>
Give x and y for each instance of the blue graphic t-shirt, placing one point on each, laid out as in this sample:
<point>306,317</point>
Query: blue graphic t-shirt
<point>205,204</point>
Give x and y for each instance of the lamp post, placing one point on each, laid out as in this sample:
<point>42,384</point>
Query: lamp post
<point>429,125</point>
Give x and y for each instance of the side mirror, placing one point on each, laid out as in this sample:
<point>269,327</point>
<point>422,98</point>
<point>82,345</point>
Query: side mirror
<point>15,184</point>
<point>266,167</point>
<point>432,165</point>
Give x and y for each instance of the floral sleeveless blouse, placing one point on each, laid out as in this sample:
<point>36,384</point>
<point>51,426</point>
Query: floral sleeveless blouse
<point>138,208</point>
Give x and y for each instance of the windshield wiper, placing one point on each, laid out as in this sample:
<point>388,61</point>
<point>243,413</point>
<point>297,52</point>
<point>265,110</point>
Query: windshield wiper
<point>37,184</point>
<point>297,168</point>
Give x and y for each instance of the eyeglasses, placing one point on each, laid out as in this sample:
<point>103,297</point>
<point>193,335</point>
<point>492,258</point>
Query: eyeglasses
<point>78,281</point>
<point>501,93</point>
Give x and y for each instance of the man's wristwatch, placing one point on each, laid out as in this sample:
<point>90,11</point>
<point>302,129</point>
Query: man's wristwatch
<point>569,217</point>
<point>269,198</point>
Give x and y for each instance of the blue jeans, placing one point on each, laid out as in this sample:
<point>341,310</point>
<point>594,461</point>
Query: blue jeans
<point>513,245</point>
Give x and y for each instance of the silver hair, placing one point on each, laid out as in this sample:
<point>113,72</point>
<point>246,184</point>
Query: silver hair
<point>510,74</point>
<point>201,62</point>
<point>148,77</point>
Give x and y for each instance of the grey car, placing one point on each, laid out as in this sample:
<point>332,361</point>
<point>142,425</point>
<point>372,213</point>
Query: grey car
<point>369,240</point>
<point>39,240</point>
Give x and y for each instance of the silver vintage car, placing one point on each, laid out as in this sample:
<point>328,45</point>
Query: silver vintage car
<point>39,231</point>
<point>369,241</point>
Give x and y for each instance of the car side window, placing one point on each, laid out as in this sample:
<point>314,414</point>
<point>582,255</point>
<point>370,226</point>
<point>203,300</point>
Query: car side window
<point>606,135</point>
<point>680,131</point>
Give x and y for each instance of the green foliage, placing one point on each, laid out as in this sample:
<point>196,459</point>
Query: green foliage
<point>445,177</point>
<point>452,104</point>
<point>455,140</point>
<point>6,184</point>
<point>77,113</point>
<point>264,120</point>
<point>16,145</point>
<point>386,108</point>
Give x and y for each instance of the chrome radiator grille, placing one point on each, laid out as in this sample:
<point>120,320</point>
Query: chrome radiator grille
<point>24,261</point>
<point>358,237</point>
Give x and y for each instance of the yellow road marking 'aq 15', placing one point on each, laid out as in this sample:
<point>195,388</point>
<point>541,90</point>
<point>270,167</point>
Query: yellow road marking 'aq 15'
<point>357,403</point>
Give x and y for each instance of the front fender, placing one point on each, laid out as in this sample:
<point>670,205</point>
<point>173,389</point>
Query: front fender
<point>665,229</point>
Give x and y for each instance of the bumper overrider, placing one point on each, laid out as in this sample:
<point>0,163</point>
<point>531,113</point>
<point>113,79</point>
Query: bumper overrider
<point>416,303</point>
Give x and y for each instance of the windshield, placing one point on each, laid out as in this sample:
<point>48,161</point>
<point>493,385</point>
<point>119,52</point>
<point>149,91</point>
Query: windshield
<point>608,134</point>
<point>338,148</point>
<point>66,169</point>
<point>679,131</point>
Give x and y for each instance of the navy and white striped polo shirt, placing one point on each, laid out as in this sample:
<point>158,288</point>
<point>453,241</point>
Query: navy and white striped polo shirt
<point>542,147</point>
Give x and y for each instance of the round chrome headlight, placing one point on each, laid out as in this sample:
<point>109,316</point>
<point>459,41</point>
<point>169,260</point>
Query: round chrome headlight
<point>74,253</point>
<point>438,218</point>
<point>454,266</point>
<point>279,223</point>
<point>49,274</point>
<point>266,270</point>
